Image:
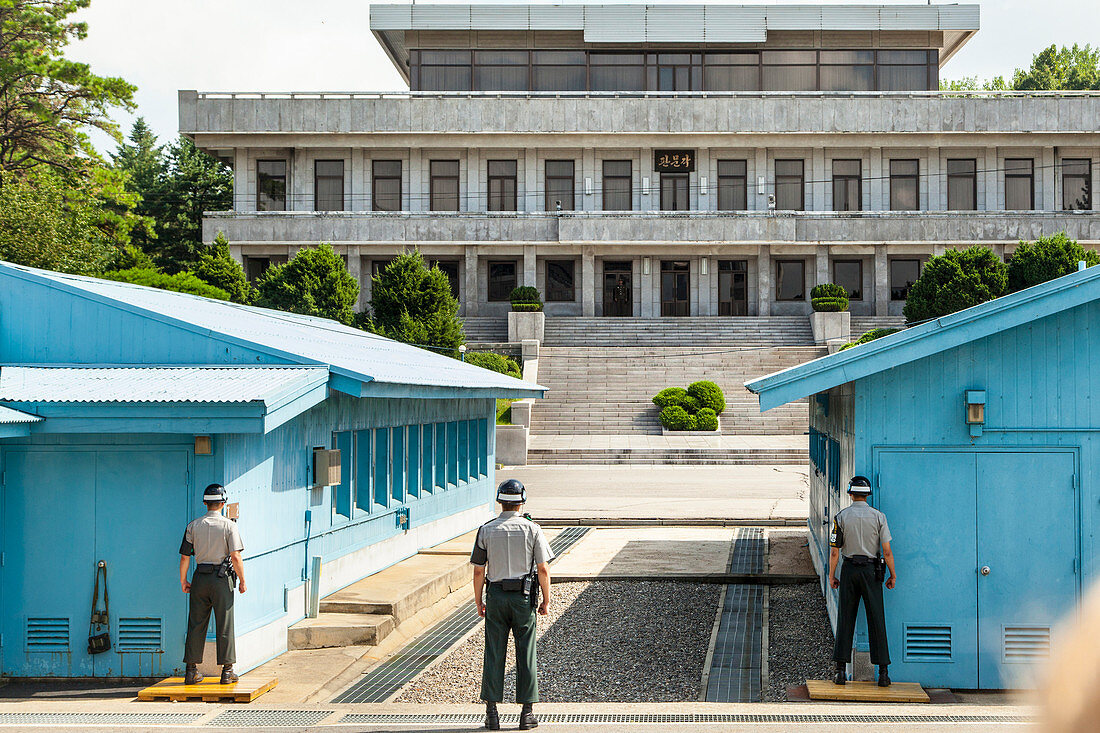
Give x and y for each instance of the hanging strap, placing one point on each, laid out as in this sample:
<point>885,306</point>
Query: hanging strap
<point>101,569</point>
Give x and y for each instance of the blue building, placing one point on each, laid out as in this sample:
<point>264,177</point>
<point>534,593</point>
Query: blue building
<point>119,404</point>
<point>981,437</point>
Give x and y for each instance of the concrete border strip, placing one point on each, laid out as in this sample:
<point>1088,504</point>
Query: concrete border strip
<point>710,647</point>
<point>765,642</point>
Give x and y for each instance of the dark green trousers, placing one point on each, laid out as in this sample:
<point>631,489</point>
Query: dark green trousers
<point>859,582</point>
<point>210,593</point>
<point>509,612</point>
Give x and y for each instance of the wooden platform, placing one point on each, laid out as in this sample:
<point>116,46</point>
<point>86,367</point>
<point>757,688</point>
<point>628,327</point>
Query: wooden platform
<point>173,688</point>
<point>866,692</point>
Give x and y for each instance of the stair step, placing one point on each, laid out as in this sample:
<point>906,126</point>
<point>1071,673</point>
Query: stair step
<point>339,629</point>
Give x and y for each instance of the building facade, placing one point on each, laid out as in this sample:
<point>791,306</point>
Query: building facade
<point>656,160</point>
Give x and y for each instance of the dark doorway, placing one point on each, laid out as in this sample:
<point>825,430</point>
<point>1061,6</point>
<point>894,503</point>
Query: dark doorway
<point>618,289</point>
<point>675,288</point>
<point>733,287</point>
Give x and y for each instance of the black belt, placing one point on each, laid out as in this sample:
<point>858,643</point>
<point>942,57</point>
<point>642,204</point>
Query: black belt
<point>500,585</point>
<point>860,559</point>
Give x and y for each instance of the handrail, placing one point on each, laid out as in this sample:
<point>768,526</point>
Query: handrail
<point>693,214</point>
<point>935,94</point>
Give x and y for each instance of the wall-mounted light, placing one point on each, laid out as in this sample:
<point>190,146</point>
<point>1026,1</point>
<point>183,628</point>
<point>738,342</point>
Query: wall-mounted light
<point>587,186</point>
<point>703,266</point>
<point>645,265</point>
<point>702,185</point>
<point>645,185</point>
<point>975,411</point>
<point>204,445</point>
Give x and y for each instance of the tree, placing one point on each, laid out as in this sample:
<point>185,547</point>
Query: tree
<point>143,162</point>
<point>218,268</point>
<point>314,283</point>
<point>414,304</point>
<point>181,282</point>
<point>955,280</point>
<point>1053,68</point>
<point>1046,259</point>
<point>46,101</point>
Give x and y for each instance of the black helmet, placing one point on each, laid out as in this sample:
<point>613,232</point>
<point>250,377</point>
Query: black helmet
<point>511,491</point>
<point>859,485</point>
<point>214,493</point>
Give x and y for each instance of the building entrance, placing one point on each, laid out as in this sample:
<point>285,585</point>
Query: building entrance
<point>618,289</point>
<point>733,287</point>
<point>675,288</point>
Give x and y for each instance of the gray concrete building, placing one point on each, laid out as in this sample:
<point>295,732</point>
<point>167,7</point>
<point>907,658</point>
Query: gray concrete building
<point>648,160</point>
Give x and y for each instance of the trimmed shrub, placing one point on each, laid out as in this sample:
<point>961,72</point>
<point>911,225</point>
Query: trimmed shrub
<point>956,280</point>
<point>1045,259</point>
<point>709,395</point>
<point>829,305</point>
<point>706,419</point>
<point>669,396</point>
<point>675,417</point>
<point>875,333</point>
<point>495,362</point>
<point>526,307</point>
<point>525,294</point>
<point>181,282</point>
<point>690,404</point>
<point>829,290</point>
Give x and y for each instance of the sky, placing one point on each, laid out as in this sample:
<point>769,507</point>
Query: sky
<point>163,46</point>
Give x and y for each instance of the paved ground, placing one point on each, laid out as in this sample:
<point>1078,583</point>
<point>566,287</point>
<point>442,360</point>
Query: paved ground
<point>674,493</point>
<point>648,551</point>
<point>669,442</point>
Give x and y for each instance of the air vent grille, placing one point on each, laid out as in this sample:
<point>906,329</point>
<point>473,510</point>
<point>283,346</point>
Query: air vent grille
<point>925,643</point>
<point>1026,643</point>
<point>47,634</point>
<point>139,634</point>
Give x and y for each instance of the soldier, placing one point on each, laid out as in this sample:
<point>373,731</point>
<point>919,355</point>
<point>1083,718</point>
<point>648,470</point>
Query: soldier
<point>511,556</point>
<point>858,531</point>
<point>216,544</point>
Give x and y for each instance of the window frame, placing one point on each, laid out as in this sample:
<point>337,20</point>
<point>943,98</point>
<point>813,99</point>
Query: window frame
<point>318,178</point>
<point>1013,174</point>
<point>728,184</point>
<point>497,195</point>
<point>679,187</point>
<point>553,296</point>
<point>914,177</point>
<point>845,179</point>
<point>858,294</point>
<point>789,179</point>
<point>1085,177</point>
<point>489,291</point>
<point>377,177</point>
<point>551,194</point>
<point>801,298</point>
<point>628,178</point>
<point>434,177</point>
<point>261,177</point>
<point>969,179</point>
<point>890,275</point>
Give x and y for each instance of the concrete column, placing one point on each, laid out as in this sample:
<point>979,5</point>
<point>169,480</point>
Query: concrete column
<point>530,276</point>
<point>589,200</point>
<point>240,180</point>
<point>758,201</point>
<point>301,176</point>
<point>650,196</point>
<point>822,262</point>
<point>992,178</point>
<point>415,184</point>
<point>588,283</point>
<point>882,282</point>
<point>355,269</point>
<point>471,199</point>
<point>764,283</point>
<point>530,201</point>
<point>700,201</point>
<point>817,174</point>
<point>936,184</point>
<point>878,185</point>
<point>470,295</point>
<point>1047,175</point>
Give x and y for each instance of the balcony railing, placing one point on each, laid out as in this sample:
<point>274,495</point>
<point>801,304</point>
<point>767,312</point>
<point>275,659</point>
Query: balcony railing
<point>941,94</point>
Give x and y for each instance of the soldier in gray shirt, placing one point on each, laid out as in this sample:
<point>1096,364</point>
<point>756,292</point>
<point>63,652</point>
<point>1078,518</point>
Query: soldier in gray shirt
<point>858,532</point>
<point>505,553</point>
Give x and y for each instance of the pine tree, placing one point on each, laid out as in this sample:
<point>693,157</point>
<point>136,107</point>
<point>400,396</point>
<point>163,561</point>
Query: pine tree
<point>414,304</point>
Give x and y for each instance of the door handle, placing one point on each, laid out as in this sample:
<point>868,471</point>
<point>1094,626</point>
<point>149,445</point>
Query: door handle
<point>984,570</point>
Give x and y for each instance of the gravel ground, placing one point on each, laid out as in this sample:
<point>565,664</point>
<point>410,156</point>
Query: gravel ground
<point>800,639</point>
<point>607,641</point>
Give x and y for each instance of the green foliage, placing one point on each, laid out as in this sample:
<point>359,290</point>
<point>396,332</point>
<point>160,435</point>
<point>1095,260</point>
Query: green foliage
<point>709,395</point>
<point>1053,68</point>
<point>527,307</point>
<point>829,290</point>
<point>495,362</point>
<point>973,84</point>
<point>414,304</point>
<point>525,294</point>
<point>504,411</point>
<point>956,280</point>
<point>1046,259</point>
<point>314,283</point>
<point>829,305</point>
<point>874,333</point>
<point>706,419</point>
<point>690,404</point>
<point>129,258</point>
<point>675,417</point>
<point>180,282</point>
<point>218,268</point>
<point>669,396</point>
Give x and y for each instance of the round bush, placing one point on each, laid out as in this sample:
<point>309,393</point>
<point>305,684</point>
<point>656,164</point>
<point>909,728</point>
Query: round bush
<point>955,280</point>
<point>525,294</point>
<point>495,362</point>
<point>829,305</point>
<point>1046,259</point>
<point>706,419</point>
<point>526,307</point>
<point>709,395</point>
<point>690,404</point>
<point>670,396</point>
<point>675,417</point>
<point>828,290</point>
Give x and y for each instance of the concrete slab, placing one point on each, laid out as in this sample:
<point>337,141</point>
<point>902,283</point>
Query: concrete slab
<point>339,629</point>
<point>402,589</point>
<point>652,551</point>
<point>789,552</point>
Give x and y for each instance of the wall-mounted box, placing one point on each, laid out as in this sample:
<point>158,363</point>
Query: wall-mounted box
<point>326,467</point>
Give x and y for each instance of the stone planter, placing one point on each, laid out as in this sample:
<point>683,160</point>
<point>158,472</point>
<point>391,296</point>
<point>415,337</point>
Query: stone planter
<point>524,325</point>
<point>512,445</point>
<point>711,433</point>
<point>829,326</point>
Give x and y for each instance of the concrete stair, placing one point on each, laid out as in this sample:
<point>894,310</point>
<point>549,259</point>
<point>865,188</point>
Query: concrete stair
<point>696,331</point>
<point>677,456</point>
<point>863,324</point>
<point>485,329</point>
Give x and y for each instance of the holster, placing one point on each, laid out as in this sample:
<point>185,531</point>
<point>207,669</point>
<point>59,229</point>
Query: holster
<point>511,585</point>
<point>880,569</point>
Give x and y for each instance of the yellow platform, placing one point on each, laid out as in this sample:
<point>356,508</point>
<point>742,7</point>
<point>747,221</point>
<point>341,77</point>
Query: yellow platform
<point>173,688</point>
<point>866,692</point>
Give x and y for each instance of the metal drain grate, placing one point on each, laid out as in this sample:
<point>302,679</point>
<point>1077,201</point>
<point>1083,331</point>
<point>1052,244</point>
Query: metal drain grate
<point>66,719</point>
<point>738,649</point>
<point>271,718</point>
<point>382,682</point>
<point>476,718</point>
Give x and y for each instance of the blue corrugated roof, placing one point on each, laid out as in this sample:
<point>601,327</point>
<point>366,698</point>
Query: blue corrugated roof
<point>9,416</point>
<point>928,338</point>
<point>350,352</point>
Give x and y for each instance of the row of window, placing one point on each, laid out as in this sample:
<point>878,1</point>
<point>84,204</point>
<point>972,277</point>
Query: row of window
<point>387,467</point>
<point>904,175</point>
<point>679,71</point>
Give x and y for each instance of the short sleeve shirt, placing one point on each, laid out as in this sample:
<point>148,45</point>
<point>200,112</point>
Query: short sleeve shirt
<point>863,529</point>
<point>211,538</point>
<point>509,547</point>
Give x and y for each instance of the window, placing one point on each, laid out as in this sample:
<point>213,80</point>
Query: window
<point>559,71</point>
<point>443,185</point>
<point>790,185</point>
<point>1019,184</point>
<point>675,72</point>
<point>452,453</point>
<point>733,288</point>
<point>502,280</point>
<point>560,281</point>
<point>789,71</point>
<point>847,71</point>
<point>904,71</point>
<point>617,194</point>
<point>397,470</point>
<point>427,459</point>
<point>733,185</point>
<point>343,493</point>
<point>559,185</point>
<point>849,275</point>
<point>412,466</point>
<point>675,288</point>
<point>962,185</point>
<point>255,267</point>
<point>364,468</point>
<point>674,192</point>
<point>440,481</point>
<point>903,273</point>
<point>501,71</point>
<point>381,466</point>
<point>732,72</point>
<point>442,71</point>
<point>386,185</point>
<point>270,185</point>
<point>847,185</point>
<point>450,269</point>
<point>790,280</point>
<point>502,185</point>
<point>328,185</point>
<point>1076,184</point>
<point>904,185</point>
<point>377,266</point>
<point>616,72</point>
<point>464,451</point>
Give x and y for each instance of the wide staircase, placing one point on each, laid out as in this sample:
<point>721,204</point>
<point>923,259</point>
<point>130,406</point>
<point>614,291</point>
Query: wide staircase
<point>485,329</point>
<point>699,331</point>
<point>863,324</point>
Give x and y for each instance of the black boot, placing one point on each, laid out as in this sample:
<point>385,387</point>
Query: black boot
<point>492,717</point>
<point>527,719</point>
<point>841,677</point>
<point>228,675</point>
<point>192,675</point>
<point>883,677</point>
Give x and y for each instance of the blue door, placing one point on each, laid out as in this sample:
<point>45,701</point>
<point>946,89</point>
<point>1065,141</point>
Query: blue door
<point>1027,560</point>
